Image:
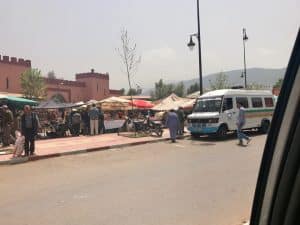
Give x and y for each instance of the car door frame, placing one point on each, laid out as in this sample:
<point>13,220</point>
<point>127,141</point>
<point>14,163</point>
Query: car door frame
<point>268,197</point>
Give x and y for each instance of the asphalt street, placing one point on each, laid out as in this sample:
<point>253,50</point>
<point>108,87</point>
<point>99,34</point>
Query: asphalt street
<point>192,182</point>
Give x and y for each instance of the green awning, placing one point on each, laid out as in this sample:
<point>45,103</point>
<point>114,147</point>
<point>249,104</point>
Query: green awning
<point>17,102</point>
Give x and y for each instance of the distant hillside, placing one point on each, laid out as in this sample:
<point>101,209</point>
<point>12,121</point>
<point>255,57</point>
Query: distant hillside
<point>261,76</point>
<point>267,77</point>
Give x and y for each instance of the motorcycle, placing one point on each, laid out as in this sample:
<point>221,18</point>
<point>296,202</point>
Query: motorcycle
<point>148,127</point>
<point>154,127</point>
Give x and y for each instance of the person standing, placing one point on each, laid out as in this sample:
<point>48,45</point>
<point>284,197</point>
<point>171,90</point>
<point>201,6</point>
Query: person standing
<point>172,123</point>
<point>7,126</point>
<point>30,125</point>
<point>180,114</point>
<point>86,121</point>
<point>94,120</point>
<point>101,122</point>
<point>241,120</point>
<point>76,121</point>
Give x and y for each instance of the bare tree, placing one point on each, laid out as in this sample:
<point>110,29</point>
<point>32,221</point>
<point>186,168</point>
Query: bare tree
<point>221,82</point>
<point>129,57</point>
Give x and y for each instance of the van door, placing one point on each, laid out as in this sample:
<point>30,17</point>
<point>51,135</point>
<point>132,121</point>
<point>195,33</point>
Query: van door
<point>228,113</point>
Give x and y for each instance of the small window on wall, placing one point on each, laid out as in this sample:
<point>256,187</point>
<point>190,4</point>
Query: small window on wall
<point>257,102</point>
<point>7,83</point>
<point>269,102</point>
<point>243,101</point>
<point>227,104</point>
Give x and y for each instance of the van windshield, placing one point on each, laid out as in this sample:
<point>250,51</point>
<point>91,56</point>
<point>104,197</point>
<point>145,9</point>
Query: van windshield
<point>208,105</point>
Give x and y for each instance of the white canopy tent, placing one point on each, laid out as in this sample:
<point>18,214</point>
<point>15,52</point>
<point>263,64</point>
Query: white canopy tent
<point>171,102</point>
<point>114,103</point>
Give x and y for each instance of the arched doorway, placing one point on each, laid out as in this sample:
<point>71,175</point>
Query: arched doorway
<point>58,98</point>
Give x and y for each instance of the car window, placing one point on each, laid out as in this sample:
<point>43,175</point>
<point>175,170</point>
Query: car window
<point>243,101</point>
<point>227,104</point>
<point>269,102</point>
<point>257,102</point>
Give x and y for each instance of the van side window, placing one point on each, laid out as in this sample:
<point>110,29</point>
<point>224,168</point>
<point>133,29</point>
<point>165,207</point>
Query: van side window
<point>243,101</point>
<point>257,102</point>
<point>269,102</point>
<point>227,104</point>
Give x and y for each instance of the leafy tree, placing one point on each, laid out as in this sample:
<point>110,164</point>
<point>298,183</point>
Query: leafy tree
<point>255,86</point>
<point>163,90</point>
<point>193,88</point>
<point>129,57</point>
<point>51,75</point>
<point>132,91</point>
<point>179,89</point>
<point>122,90</point>
<point>278,84</point>
<point>32,84</point>
<point>160,90</point>
<point>221,82</point>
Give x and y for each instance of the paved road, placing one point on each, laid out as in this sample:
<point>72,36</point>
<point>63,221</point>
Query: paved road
<point>188,183</point>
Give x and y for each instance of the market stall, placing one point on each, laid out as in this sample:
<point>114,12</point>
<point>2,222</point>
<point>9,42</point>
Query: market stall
<point>170,102</point>
<point>54,117</point>
<point>141,104</point>
<point>16,103</point>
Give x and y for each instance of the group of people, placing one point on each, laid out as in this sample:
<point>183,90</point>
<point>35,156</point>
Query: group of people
<point>175,122</point>
<point>29,125</point>
<point>91,120</point>
<point>93,124</point>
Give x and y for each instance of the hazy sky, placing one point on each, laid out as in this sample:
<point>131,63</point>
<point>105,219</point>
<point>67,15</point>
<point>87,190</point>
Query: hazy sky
<point>72,36</point>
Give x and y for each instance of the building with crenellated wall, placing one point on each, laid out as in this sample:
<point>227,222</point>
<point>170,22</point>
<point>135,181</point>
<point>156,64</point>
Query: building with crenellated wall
<point>87,86</point>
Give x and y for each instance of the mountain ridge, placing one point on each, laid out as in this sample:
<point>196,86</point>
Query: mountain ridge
<point>262,76</point>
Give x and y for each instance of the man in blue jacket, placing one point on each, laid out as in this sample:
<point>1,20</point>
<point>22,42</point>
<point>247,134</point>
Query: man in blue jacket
<point>94,120</point>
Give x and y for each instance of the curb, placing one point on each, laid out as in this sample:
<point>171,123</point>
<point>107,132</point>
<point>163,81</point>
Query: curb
<point>75,152</point>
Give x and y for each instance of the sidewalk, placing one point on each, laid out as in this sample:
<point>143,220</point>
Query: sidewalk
<point>82,144</point>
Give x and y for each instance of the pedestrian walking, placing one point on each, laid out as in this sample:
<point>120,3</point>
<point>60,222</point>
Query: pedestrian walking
<point>76,121</point>
<point>181,119</point>
<point>30,125</point>
<point>94,120</point>
<point>241,120</point>
<point>7,126</point>
<point>172,123</point>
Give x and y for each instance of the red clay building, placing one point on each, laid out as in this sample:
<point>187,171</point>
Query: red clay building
<point>87,86</point>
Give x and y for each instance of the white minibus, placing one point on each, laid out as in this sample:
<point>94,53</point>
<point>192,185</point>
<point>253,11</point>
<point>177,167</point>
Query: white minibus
<point>216,112</point>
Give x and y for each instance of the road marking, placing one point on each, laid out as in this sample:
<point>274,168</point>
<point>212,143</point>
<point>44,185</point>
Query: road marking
<point>80,196</point>
<point>179,146</point>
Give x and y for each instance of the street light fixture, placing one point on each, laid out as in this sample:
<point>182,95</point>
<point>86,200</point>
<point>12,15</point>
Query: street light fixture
<point>244,74</point>
<point>191,45</point>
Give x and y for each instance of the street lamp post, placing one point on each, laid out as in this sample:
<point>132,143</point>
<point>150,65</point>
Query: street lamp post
<point>245,38</point>
<point>191,45</point>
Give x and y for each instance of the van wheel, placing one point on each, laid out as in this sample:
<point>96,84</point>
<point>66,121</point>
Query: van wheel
<point>265,125</point>
<point>222,131</point>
